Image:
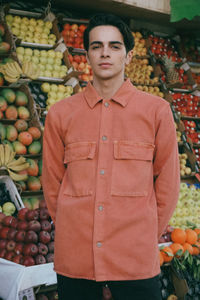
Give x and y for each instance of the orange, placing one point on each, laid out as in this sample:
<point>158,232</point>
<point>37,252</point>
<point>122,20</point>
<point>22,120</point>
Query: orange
<point>197,230</point>
<point>161,258</point>
<point>191,236</point>
<point>178,235</point>
<point>196,250</point>
<point>25,138</point>
<point>167,254</point>
<point>175,248</point>
<point>188,247</point>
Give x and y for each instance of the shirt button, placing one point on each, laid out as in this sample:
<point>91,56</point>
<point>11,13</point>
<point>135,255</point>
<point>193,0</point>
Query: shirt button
<point>106,104</point>
<point>100,208</point>
<point>102,172</point>
<point>104,138</point>
<point>99,244</point>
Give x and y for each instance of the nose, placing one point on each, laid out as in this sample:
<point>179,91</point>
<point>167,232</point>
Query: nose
<point>105,51</point>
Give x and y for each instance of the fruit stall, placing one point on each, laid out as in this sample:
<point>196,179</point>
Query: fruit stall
<point>42,60</point>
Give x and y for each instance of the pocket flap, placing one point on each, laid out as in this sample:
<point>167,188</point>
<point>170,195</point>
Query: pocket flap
<point>130,150</point>
<point>79,151</point>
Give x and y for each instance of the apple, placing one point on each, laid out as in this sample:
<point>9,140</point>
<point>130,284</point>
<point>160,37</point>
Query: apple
<point>58,61</point>
<point>55,74</point>
<point>9,18</point>
<point>2,253</point>
<point>4,232</point>
<point>19,248</point>
<point>30,249</point>
<point>38,29</point>
<point>49,68</point>
<point>63,68</point>
<point>29,34</point>
<point>20,50</point>
<point>44,41</point>
<point>42,249</point>
<point>52,95</point>
<point>34,225</point>
<point>44,35</point>
<point>51,53</point>
<point>48,24</point>
<point>50,257</point>
<point>33,22</point>
<point>46,30</point>
<point>3,244</point>
<point>36,52</point>
<point>10,246</point>
<point>32,214</point>
<point>2,216</point>
<point>56,68</point>
<point>47,73</point>
<point>22,225</point>
<point>50,60</point>
<point>35,59</point>
<point>43,53</point>
<point>51,246</point>
<point>60,95</point>
<point>7,220</point>
<point>43,60</point>
<point>45,225</point>
<point>44,237</point>
<point>28,261</point>
<point>42,68</point>
<point>25,20</point>
<point>9,255</point>
<point>40,259</point>
<point>40,22</point>
<point>51,42</point>
<point>20,236</point>
<point>31,237</point>
<point>59,54</point>
<point>62,74</point>
<point>15,31</point>
<point>18,259</point>
<point>11,234</point>
<point>21,215</point>
<point>53,88</point>
<point>45,87</point>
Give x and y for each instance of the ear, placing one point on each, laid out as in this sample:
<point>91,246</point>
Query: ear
<point>87,57</point>
<point>129,57</point>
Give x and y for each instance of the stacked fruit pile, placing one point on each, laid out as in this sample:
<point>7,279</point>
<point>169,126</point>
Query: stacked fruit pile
<point>161,46</point>
<point>73,35</point>
<point>178,134</point>
<point>4,46</point>
<point>139,47</point>
<point>49,62</point>
<point>186,104</point>
<point>27,239</point>
<point>184,165</point>
<point>140,72</point>
<point>6,205</point>
<point>150,89</point>
<point>55,93</point>
<point>32,202</point>
<point>188,207</point>
<point>79,62</point>
<point>31,30</point>
<point>191,129</point>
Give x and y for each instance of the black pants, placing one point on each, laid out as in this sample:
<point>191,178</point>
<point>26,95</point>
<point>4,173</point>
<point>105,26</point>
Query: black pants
<point>82,289</point>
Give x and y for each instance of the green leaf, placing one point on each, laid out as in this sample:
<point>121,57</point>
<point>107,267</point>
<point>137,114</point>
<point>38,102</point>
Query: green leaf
<point>191,224</point>
<point>179,252</point>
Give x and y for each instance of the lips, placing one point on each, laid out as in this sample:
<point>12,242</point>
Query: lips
<point>105,65</point>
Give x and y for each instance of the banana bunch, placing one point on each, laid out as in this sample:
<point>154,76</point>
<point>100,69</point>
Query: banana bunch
<point>30,70</point>
<point>12,165</point>
<point>11,71</point>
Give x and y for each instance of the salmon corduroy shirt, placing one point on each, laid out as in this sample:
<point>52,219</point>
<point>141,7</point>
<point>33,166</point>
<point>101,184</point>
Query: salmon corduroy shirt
<point>111,182</point>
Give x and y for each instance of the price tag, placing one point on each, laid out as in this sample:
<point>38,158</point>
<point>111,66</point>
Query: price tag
<point>185,67</point>
<point>27,294</point>
<point>196,93</point>
<point>194,85</point>
<point>50,17</point>
<point>72,81</point>
<point>70,70</point>
<point>61,47</point>
<point>61,40</point>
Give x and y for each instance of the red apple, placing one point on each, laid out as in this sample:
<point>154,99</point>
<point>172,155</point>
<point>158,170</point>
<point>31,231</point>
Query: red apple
<point>28,261</point>
<point>10,245</point>
<point>4,232</point>
<point>2,253</point>
<point>32,214</point>
<point>30,250</point>
<point>3,244</point>
<point>18,259</point>
<point>45,225</point>
<point>44,214</point>
<point>31,237</point>
<point>50,257</point>
<point>34,225</point>
<point>51,247</point>
<point>2,216</point>
<point>40,259</point>
<point>42,249</point>
<point>10,221</point>
<point>44,237</point>
<point>19,248</point>
<point>22,214</point>
<point>20,236</point>
<point>9,255</point>
<point>11,234</point>
<point>22,225</point>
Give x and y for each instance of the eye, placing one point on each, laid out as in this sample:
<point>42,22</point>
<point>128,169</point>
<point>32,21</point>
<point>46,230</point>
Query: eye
<point>95,47</point>
<point>115,47</point>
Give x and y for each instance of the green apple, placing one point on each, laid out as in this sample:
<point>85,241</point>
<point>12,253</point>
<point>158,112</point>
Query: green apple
<point>46,30</point>
<point>38,29</point>
<point>16,19</point>
<point>45,87</point>
<point>50,61</point>
<point>28,51</point>
<point>48,24</point>
<point>37,35</point>
<point>64,68</point>
<point>51,42</point>
<point>20,50</point>
<point>43,41</point>
<point>22,35</point>
<point>59,54</point>
<point>9,18</point>
<point>25,21</point>
<point>52,37</point>
<point>33,22</point>
<point>43,60</point>
<point>40,22</point>
<point>52,95</point>
<point>35,60</point>
<point>55,74</point>
<point>15,31</point>
<point>69,89</point>
<point>51,101</point>
<point>61,88</point>
<point>56,68</point>
<point>44,35</point>
<point>47,73</point>
<point>49,67</point>
<point>58,61</point>
<point>62,74</point>
<point>42,73</point>
<point>51,53</point>
<point>60,95</point>
<point>42,67</point>
<point>29,34</point>
<point>43,53</point>
<point>54,87</point>
<point>31,28</point>
<point>23,27</point>
<point>36,40</point>
<point>36,52</point>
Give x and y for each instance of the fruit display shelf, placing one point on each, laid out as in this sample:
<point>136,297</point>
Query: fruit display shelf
<point>32,29</point>
<point>187,104</point>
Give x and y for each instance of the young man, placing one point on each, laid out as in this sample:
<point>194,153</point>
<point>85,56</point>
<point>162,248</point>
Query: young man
<point>110,176</point>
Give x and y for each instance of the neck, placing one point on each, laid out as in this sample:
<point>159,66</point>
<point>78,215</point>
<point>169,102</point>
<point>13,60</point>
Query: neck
<point>108,87</point>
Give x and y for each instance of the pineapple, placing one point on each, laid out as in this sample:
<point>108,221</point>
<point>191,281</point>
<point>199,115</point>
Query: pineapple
<point>172,75</point>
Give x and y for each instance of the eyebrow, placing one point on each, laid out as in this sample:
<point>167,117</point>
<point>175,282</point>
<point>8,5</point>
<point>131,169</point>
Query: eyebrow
<point>111,42</point>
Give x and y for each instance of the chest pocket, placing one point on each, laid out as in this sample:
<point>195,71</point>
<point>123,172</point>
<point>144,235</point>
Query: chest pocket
<point>80,172</point>
<point>132,168</point>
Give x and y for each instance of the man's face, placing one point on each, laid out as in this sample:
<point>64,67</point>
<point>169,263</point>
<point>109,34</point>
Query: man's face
<point>107,53</point>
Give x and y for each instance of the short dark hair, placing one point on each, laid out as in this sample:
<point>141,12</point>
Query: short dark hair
<point>112,20</point>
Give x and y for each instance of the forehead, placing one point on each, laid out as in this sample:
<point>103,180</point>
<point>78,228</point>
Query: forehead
<point>105,33</point>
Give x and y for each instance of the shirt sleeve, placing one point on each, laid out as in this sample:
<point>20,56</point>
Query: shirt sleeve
<point>166,168</point>
<point>53,166</point>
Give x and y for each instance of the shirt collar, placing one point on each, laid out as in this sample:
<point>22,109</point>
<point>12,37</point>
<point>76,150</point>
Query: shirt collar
<point>122,96</point>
